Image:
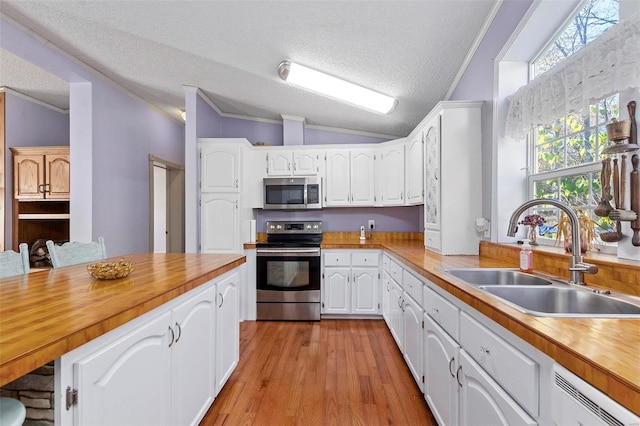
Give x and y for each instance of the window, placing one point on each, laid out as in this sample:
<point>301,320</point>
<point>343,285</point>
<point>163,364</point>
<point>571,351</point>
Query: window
<point>566,154</point>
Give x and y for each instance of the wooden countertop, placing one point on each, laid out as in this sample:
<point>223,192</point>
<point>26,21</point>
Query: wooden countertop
<point>602,351</point>
<point>46,314</point>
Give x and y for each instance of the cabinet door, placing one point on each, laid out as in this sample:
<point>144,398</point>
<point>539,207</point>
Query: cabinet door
<point>432,175</point>
<point>279,163</point>
<point>57,184</point>
<point>412,322</point>
<point>219,218</point>
<point>193,357</point>
<point>337,291</point>
<point>362,179</point>
<point>440,365</point>
<point>414,167</point>
<point>227,328</point>
<point>306,163</point>
<point>28,182</point>
<point>337,182</point>
<point>482,400</point>
<point>395,302</point>
<point>393,176</point>
<point>386,298</point>
<point>364,291</point>
<point>129,381</point>
<point>220,168</point>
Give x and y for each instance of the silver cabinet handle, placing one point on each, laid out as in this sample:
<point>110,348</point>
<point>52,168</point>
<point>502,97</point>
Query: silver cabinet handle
<point>179,331</point>
<point>172,336</point>
<point>485,351</point>
<point>402,195</point>
<point>450,365</point>
<point>236,183</point>
<point>458,376</point>
<point>221,300</point>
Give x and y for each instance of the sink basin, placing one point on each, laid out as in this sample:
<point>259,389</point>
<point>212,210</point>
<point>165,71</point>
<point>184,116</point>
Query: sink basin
<point>564,301</point>
<point>546,296</point>
<point>496,276</point>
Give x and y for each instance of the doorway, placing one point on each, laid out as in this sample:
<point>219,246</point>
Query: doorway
<point>166,206</point>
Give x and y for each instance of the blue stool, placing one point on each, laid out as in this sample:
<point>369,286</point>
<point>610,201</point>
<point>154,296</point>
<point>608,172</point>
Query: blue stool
<point>12,412</point>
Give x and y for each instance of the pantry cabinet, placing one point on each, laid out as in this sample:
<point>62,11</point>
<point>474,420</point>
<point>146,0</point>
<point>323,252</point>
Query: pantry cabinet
<point>220,167</point>
<point>453,177</point>
<point>219,222</point>
<point>41,193</point>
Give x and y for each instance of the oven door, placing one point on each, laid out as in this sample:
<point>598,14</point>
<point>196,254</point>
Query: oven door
<point>288,274</point>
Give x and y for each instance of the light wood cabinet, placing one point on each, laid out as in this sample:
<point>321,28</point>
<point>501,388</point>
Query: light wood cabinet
<point>41,192</point>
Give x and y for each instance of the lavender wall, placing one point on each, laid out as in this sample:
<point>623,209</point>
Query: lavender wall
<point>28,124</point>
<point>253,131</point>
<point>477,83</point>
<point>388,219</point>
<point>122,132</point>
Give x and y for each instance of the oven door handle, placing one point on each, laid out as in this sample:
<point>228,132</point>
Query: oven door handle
<point>312,252</point>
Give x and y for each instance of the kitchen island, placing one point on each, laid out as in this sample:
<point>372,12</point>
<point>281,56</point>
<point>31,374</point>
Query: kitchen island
<point>46,314</point>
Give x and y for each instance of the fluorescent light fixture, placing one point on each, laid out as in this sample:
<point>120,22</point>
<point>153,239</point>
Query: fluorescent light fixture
<point>327,85</point>
<point>183,114</point>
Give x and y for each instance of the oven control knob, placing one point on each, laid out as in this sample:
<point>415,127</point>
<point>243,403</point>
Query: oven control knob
<point>315,226</point>
<point>278,226</point>
<point>308,226</point>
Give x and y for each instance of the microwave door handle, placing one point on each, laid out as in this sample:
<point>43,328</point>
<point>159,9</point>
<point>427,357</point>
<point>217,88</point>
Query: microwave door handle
<point>305,196</point>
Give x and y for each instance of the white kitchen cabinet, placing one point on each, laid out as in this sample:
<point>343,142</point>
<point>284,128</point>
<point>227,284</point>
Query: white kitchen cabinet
<point>453,177</point>
<point>227,328</point>
<point>392,174</point>
<point>412,317</point>
<point>351,282</point>
<point>395,302</point>
<point>414,168</point>
<point>292,162</point>
<point>220,167</point>
<point>386,297</point>
<point>483,401</point>
<point>440,363</point>
<point>219,222</point>
<point>350,176</point>
<point>160,372</point>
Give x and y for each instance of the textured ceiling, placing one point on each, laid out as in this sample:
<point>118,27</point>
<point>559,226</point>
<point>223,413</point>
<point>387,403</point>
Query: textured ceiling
<point>231,49</point>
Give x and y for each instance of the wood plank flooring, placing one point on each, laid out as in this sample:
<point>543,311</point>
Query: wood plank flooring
<point>332,372</point>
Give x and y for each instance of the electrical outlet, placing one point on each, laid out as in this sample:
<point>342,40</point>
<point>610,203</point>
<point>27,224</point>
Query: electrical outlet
<point>372,224</point>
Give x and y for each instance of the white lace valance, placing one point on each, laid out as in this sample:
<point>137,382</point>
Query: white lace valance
<point>606,66</point>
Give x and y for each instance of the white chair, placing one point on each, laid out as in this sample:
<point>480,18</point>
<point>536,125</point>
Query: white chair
<point>12,263</point>
<point>72,253</point>
<point>12,412</point>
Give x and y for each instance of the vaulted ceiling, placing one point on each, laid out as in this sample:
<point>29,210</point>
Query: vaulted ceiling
<point>412,50</point>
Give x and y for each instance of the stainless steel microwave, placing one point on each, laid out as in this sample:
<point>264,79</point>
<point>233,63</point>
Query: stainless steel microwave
<point>292,193</point>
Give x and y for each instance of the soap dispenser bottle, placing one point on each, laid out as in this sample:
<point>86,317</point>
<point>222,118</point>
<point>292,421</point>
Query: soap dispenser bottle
<point>526,257</point>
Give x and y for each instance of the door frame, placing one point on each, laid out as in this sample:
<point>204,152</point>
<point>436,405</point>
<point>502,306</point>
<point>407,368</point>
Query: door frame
<point>175,204</point>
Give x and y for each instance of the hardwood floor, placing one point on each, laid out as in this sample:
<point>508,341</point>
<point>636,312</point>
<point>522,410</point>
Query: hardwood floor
<point>332,372</point>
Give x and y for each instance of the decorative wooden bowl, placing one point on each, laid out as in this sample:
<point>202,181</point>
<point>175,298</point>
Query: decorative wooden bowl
<point>110,270</point>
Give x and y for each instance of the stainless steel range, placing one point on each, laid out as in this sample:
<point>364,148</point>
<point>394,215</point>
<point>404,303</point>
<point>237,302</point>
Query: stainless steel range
<point>288,271</point>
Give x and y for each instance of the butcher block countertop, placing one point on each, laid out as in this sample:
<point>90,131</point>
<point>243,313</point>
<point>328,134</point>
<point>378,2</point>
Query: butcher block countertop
<point>46,314</point>
<point>602,351</point>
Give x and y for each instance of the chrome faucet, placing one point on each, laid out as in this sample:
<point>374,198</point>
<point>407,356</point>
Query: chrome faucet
<point>577,268</point>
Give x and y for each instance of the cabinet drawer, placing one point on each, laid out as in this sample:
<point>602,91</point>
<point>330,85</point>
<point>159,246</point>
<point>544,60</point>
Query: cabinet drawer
<point>413,286</point>
<point>432,240</point>
<point>364,258</point>
<point>442,311</point>
<point>515,372</point>
<point>395,270</point>
<point>337,259</point>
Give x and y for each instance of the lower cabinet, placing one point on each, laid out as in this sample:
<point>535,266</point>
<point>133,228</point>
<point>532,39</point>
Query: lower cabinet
<point>483,401</point>
<point>351,282</point>
<point>395,313</point>
<point>386,297</point>
<point>412,314</point>
<point>163,368</point>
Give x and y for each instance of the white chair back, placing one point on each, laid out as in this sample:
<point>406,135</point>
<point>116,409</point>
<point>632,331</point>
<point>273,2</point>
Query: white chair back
<point>12,263</point>
<point>72,253</point>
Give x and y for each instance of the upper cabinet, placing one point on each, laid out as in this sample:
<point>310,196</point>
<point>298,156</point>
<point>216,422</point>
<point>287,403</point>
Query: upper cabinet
<point>453,139</point>
<point>220,167</point>
<point>349,179</point>
<point>414,167</point>
<point>293,163</point>
<point>41,173</point>
<point>392,175</point>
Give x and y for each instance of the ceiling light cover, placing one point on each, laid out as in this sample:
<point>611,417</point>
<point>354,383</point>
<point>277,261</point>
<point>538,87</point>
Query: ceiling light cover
<point>327,85</point>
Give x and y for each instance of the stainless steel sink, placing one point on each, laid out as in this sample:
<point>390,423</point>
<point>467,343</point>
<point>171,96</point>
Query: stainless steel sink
<point>547,296</point>
<point>495,276</point>
<point>564,301</point>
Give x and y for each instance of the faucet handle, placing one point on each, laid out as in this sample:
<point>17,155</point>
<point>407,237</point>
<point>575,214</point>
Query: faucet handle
<point>587,268</point>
